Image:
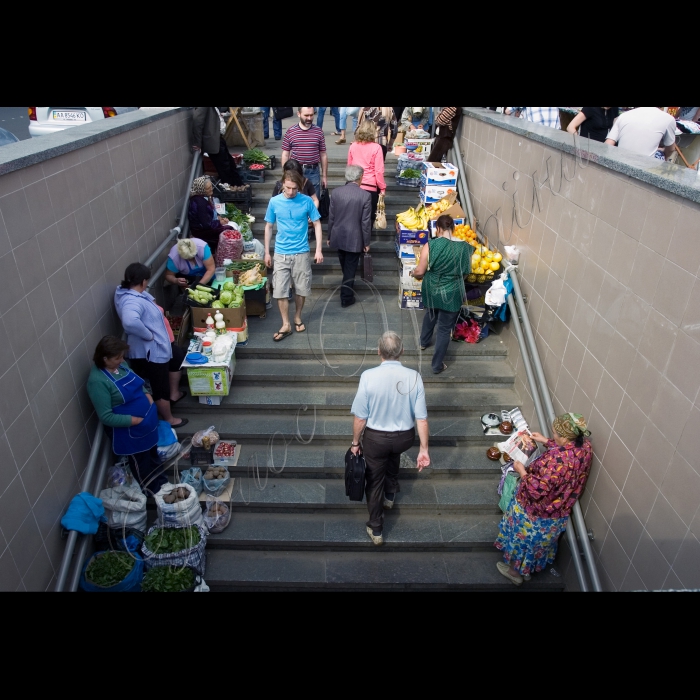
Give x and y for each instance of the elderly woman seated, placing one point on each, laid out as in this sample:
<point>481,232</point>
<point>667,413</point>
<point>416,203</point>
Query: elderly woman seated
<point>190,260</point>
<point>204,221</point>
<point>542,502</point>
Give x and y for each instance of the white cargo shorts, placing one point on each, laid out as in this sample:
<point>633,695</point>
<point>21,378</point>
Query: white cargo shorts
<point>292,268</point>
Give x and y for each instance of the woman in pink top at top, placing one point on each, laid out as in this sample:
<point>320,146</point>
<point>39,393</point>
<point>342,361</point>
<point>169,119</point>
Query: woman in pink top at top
<point>368,154</point>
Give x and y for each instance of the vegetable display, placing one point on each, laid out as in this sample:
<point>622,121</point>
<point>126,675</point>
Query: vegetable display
<point>168,579</point>
<point>215,473</point>
<point>251,278</point>
<point>256,156</point>
<point>202,295</point>
<point>225,449</point>
<point>109,569</point>
<point>172,540</point>
<point>177,496</point>
<point>410,174</point>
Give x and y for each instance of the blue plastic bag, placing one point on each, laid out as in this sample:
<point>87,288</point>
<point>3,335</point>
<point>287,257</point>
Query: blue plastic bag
<point>131,584</point>
<point>193,477</point>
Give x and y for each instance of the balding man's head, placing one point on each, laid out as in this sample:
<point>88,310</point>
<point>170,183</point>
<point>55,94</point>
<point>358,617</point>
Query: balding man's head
<point>390,346</point>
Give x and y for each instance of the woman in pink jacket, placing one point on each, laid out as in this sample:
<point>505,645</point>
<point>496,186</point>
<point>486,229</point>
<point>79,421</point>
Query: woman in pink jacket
<point>368,154</point>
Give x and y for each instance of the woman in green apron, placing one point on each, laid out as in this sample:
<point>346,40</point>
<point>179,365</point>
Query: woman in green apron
<point>127,412</point>
<point>443,264</point>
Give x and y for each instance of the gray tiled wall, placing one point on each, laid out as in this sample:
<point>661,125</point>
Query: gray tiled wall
<point>610,269</point>
<point>68,228</point>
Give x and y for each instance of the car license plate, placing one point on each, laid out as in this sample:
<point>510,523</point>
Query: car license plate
<point>69,116</point>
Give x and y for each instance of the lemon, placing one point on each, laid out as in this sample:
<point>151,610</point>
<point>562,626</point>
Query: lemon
<point>494,266</point>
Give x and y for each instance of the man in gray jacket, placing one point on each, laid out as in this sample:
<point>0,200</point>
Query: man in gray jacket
<point>207,125</point>
<point>350,228</point>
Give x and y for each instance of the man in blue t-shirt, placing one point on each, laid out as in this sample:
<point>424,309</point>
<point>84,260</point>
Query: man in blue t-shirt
<point>291,211</point>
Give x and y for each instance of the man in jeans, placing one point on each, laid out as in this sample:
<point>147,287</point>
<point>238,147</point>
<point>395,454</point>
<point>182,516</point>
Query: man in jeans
<point>291,211</point>
<point>307,144</point>
<point>388,407</point>
<point>350,228</point>
<point>276,124</point>
<point>335,111</point>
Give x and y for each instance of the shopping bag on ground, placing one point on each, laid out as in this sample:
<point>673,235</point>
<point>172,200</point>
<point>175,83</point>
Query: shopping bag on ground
<point>380,220</point>
<point>217,515</point>
<point>367,268</point>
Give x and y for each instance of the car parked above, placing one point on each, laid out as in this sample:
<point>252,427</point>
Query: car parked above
<point>7,137</point>
<point>48,120</point>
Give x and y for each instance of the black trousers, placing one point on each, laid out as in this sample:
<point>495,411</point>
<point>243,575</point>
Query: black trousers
<point>348,262</point>
<point>440,148</point>
<point>382,453</point>
<point>226,166</point>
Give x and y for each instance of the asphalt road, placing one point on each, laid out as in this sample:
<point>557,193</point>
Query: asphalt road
<point>15,120</point>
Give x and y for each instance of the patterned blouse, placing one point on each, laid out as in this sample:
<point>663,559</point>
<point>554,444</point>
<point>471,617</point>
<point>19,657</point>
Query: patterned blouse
<point>555,481</point>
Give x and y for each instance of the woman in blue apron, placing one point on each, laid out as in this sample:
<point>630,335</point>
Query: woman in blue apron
<point>127,412</point>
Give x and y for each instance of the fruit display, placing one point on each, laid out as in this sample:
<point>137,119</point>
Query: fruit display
<point>438,208</point>
<point>485,264</point>
<point>225,449</point>
<point>463,232</point>
<point>414,219</point>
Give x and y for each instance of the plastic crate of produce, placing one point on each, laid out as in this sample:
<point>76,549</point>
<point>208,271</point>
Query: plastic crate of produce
<point>222,458</point>
<point>252,176</point>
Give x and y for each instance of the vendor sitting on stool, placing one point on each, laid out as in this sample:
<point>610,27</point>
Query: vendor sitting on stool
<point>190,261</point>
<point>127,411</point>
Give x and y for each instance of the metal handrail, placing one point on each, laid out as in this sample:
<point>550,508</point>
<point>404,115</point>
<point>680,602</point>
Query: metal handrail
<point>101,449</point>
<point>538,386</point>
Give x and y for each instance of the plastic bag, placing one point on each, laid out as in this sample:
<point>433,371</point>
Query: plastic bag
<point>230,246</point>
<point>125,506</point>
<point>195,556</point>
<point>183,514</point>
<point>130,584</point>
<point>192,477</point>
<point>120,475</point>
<point>217,515</point>
<point>168,446</point>
<point>216,487</point>
<point>206,438</point>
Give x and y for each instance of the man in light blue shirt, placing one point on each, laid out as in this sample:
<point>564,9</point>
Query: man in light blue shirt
<point>291,211</point>
<point>388,407</point>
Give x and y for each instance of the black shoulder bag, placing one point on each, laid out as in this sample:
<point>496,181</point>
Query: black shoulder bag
<point>355,476</point>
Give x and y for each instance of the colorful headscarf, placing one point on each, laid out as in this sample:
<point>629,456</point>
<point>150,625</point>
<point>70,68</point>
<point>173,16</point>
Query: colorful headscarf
<point>571,426</point>
<point>199,186</point>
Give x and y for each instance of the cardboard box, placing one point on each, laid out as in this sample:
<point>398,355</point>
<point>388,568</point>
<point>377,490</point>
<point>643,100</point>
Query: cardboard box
<point>410,298</point>
<point>432,225</point>
<point>234,318</point>
<point>256,301</point>
<point>432,194</point>
<point>405,251</point>
<point>405,236</point>
<point>423,147</point>
<point>439,174</point>
<point>212,379</point>
<point>408,282</point>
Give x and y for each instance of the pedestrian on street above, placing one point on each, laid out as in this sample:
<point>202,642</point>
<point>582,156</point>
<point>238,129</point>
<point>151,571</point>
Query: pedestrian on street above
<point>291,212</point>
<point>368,154</point>
<point>443,264</point>
<point>308,188</point>
<point>385,121</point>
<point>346,112</point>
<point>307,144</point>
<point>350,228</point>
<point>548,490</point>
<point>335,111</point>
<point>414,119</point>
<point>642,130</point>
<point>547,116</point>
<point>389,406</point>
<point>447,123</point>
<point>207,128</point>
<point>276,124</point>
<point>595,122</point>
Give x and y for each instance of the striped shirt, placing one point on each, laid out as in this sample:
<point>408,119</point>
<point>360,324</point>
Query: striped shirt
<point>306,145</point>
<point>446,116</point>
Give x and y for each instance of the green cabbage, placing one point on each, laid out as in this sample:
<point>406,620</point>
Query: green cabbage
<point>218,305</point>
<point>226,297</point>
<point>228,286</point>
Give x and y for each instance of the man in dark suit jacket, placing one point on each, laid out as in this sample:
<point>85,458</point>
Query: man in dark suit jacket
<point>350,228</point>
<point>206,137</point>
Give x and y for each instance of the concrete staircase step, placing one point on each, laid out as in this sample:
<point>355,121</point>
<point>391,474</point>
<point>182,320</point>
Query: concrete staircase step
<point>307,425</point>
<point>374,570</point>
<point>340,531</point>
<point>475,496</point>
<point>285,459</point>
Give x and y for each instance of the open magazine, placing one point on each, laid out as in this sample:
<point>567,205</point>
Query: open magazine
<point>520,446</point>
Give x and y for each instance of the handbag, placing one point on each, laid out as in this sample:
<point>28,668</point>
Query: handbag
<point>367,268</point>
<point>324,203</point>
<point>355,476</point>
<point>380,220</point>
<point>281,113</point>
<point>510,486</point>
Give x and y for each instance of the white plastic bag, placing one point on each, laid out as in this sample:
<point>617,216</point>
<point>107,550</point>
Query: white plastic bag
<point>205,438</point>
<point>125,506</point>
<point>217,515</point>
<point>512,254</point>
<point>183,514</point>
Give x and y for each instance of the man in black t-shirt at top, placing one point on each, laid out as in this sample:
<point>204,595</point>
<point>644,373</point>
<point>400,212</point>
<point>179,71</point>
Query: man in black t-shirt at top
<point>595,122</point>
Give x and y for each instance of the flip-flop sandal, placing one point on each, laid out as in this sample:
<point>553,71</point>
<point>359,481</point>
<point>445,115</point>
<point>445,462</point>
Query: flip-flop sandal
<point>297,325</point>
<point>184,395</point>
<point>280,336</point>
<point>335,133</point>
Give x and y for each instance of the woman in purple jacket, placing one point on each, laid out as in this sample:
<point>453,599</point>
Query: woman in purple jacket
<point>150,349</point>
<point>204,222</point>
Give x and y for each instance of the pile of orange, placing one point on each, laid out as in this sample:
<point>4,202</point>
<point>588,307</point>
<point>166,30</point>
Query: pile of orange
<point>463,232</point>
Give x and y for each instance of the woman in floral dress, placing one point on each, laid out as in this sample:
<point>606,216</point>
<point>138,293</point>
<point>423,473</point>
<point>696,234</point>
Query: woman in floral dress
<point>548,489</point>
